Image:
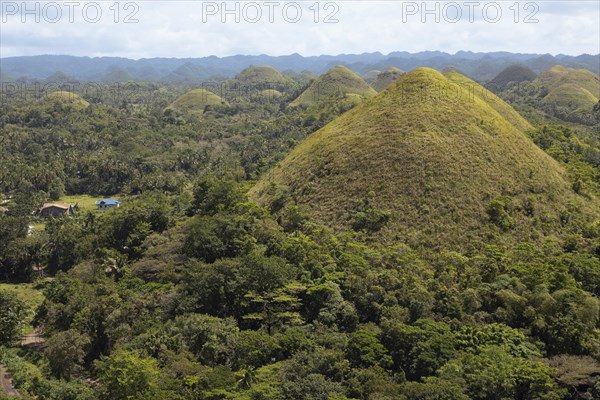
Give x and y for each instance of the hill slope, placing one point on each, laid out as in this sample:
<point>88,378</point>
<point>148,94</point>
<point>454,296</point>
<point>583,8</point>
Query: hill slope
<point>66,98</point>
<point>386,78</point>
<point>335,83</point>
<point>560,75</point>
<point>569,94</point>
<point>195,101</point>
<point>433,165</point>
<point>512,74</point>
<point>473,89</point>
<point>253,80</point>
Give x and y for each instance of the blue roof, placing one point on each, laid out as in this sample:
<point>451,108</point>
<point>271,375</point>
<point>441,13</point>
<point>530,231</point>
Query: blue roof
<point>110,202</point>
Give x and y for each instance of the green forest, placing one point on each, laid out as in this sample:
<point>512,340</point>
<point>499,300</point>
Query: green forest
<point>297,237</point>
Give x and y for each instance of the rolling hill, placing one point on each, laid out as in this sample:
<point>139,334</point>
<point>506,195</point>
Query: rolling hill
<point>371,75</point>
<point>569,94</point>
<point>195,101</point>
<point>559,75</point>
<point>65,98</point>
<point>476,90</point>
<point>386,78</point>
<point>434,160</point>
<point>338,82</point>
<point>253,80</point>
<point>512,74</point>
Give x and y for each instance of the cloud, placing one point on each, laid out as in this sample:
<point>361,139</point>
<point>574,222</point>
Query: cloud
<point>200,28</point>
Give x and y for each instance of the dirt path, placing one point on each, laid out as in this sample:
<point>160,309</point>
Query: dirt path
<point>33,339</point>
<point>6,385</point>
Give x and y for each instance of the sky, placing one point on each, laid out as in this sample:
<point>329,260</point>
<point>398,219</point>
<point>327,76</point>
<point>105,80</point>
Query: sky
<point>155,28</point>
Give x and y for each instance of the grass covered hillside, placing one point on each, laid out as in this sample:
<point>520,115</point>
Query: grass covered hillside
<point>386,78</point>
<point>65,98</point>
<point>572,97</point>
<point>371,75</point>
<point>253,80</point>
<point>569,94</point>
<point>195,101</point>
<point>337,83</point>
<point>475,90</point>
<point>558,75</point>
<point>430,164</point>
<point>511,75</point>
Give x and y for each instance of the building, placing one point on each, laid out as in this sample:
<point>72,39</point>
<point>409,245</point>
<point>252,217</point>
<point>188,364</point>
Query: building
<point>107,203</point>
<point>49,210</point>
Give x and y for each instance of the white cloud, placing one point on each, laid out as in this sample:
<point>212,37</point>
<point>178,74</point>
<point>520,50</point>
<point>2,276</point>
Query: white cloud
<point>180,29</point>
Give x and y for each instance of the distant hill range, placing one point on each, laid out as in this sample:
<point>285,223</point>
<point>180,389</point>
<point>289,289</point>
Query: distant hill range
<point>482,67</point>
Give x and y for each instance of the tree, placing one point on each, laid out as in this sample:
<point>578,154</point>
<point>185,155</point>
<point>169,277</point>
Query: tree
<point>256,348</point>
<point>126,375</point>
<point>433,388</point>
<point>65,352</point>
<point>68,244</point>
<point>212,196</point>
<point>497,212</point>
<point>373,383</point>
<point>213,340</point>
<point>221,235</point>
<point>494,374</point>
<point>12,314</point>
<point>365,350</point>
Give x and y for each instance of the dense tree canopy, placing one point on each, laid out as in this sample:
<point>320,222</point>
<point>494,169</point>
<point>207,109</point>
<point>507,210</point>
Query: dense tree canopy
<point>189,290</point>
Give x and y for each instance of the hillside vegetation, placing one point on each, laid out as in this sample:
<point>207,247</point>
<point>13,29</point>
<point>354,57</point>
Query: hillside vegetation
<point>386,78</point>
<point>338,82</point>
<point>66,99</point>
<point>511,75</point>
<point>195,101</point>
<point>433,158</point>
<point>252,81</point>
<point>558,94</point>
<point>416,246</point>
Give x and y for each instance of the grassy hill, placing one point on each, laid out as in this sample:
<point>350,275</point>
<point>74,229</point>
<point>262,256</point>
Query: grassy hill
<point>117,75</point>
<point>559,75</point>
<point>572,97</point>
<point>386,78</point>
<point>338,82</point>
<point>253,80</point>
<point>569,94</point>
<point>195,101</point>
<point>428,163</point>
<point>371,75</point>
<point>65,98</point>
<point>473,89</point>
<point>512,74</point>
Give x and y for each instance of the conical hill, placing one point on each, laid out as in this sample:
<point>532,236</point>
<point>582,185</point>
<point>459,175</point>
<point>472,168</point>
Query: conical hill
<point>512,74</point>
<point>195,101</point>
<point>386,78</point>
<point>338,82</point>
<point>253,80</point>
<point>427,163</point>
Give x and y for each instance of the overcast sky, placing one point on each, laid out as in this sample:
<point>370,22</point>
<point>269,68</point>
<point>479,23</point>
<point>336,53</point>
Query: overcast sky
<point>139,29</point>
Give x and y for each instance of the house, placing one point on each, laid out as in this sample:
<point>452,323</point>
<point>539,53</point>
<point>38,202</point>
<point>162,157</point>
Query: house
<point>55,210</point>
<point>107,203</point>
